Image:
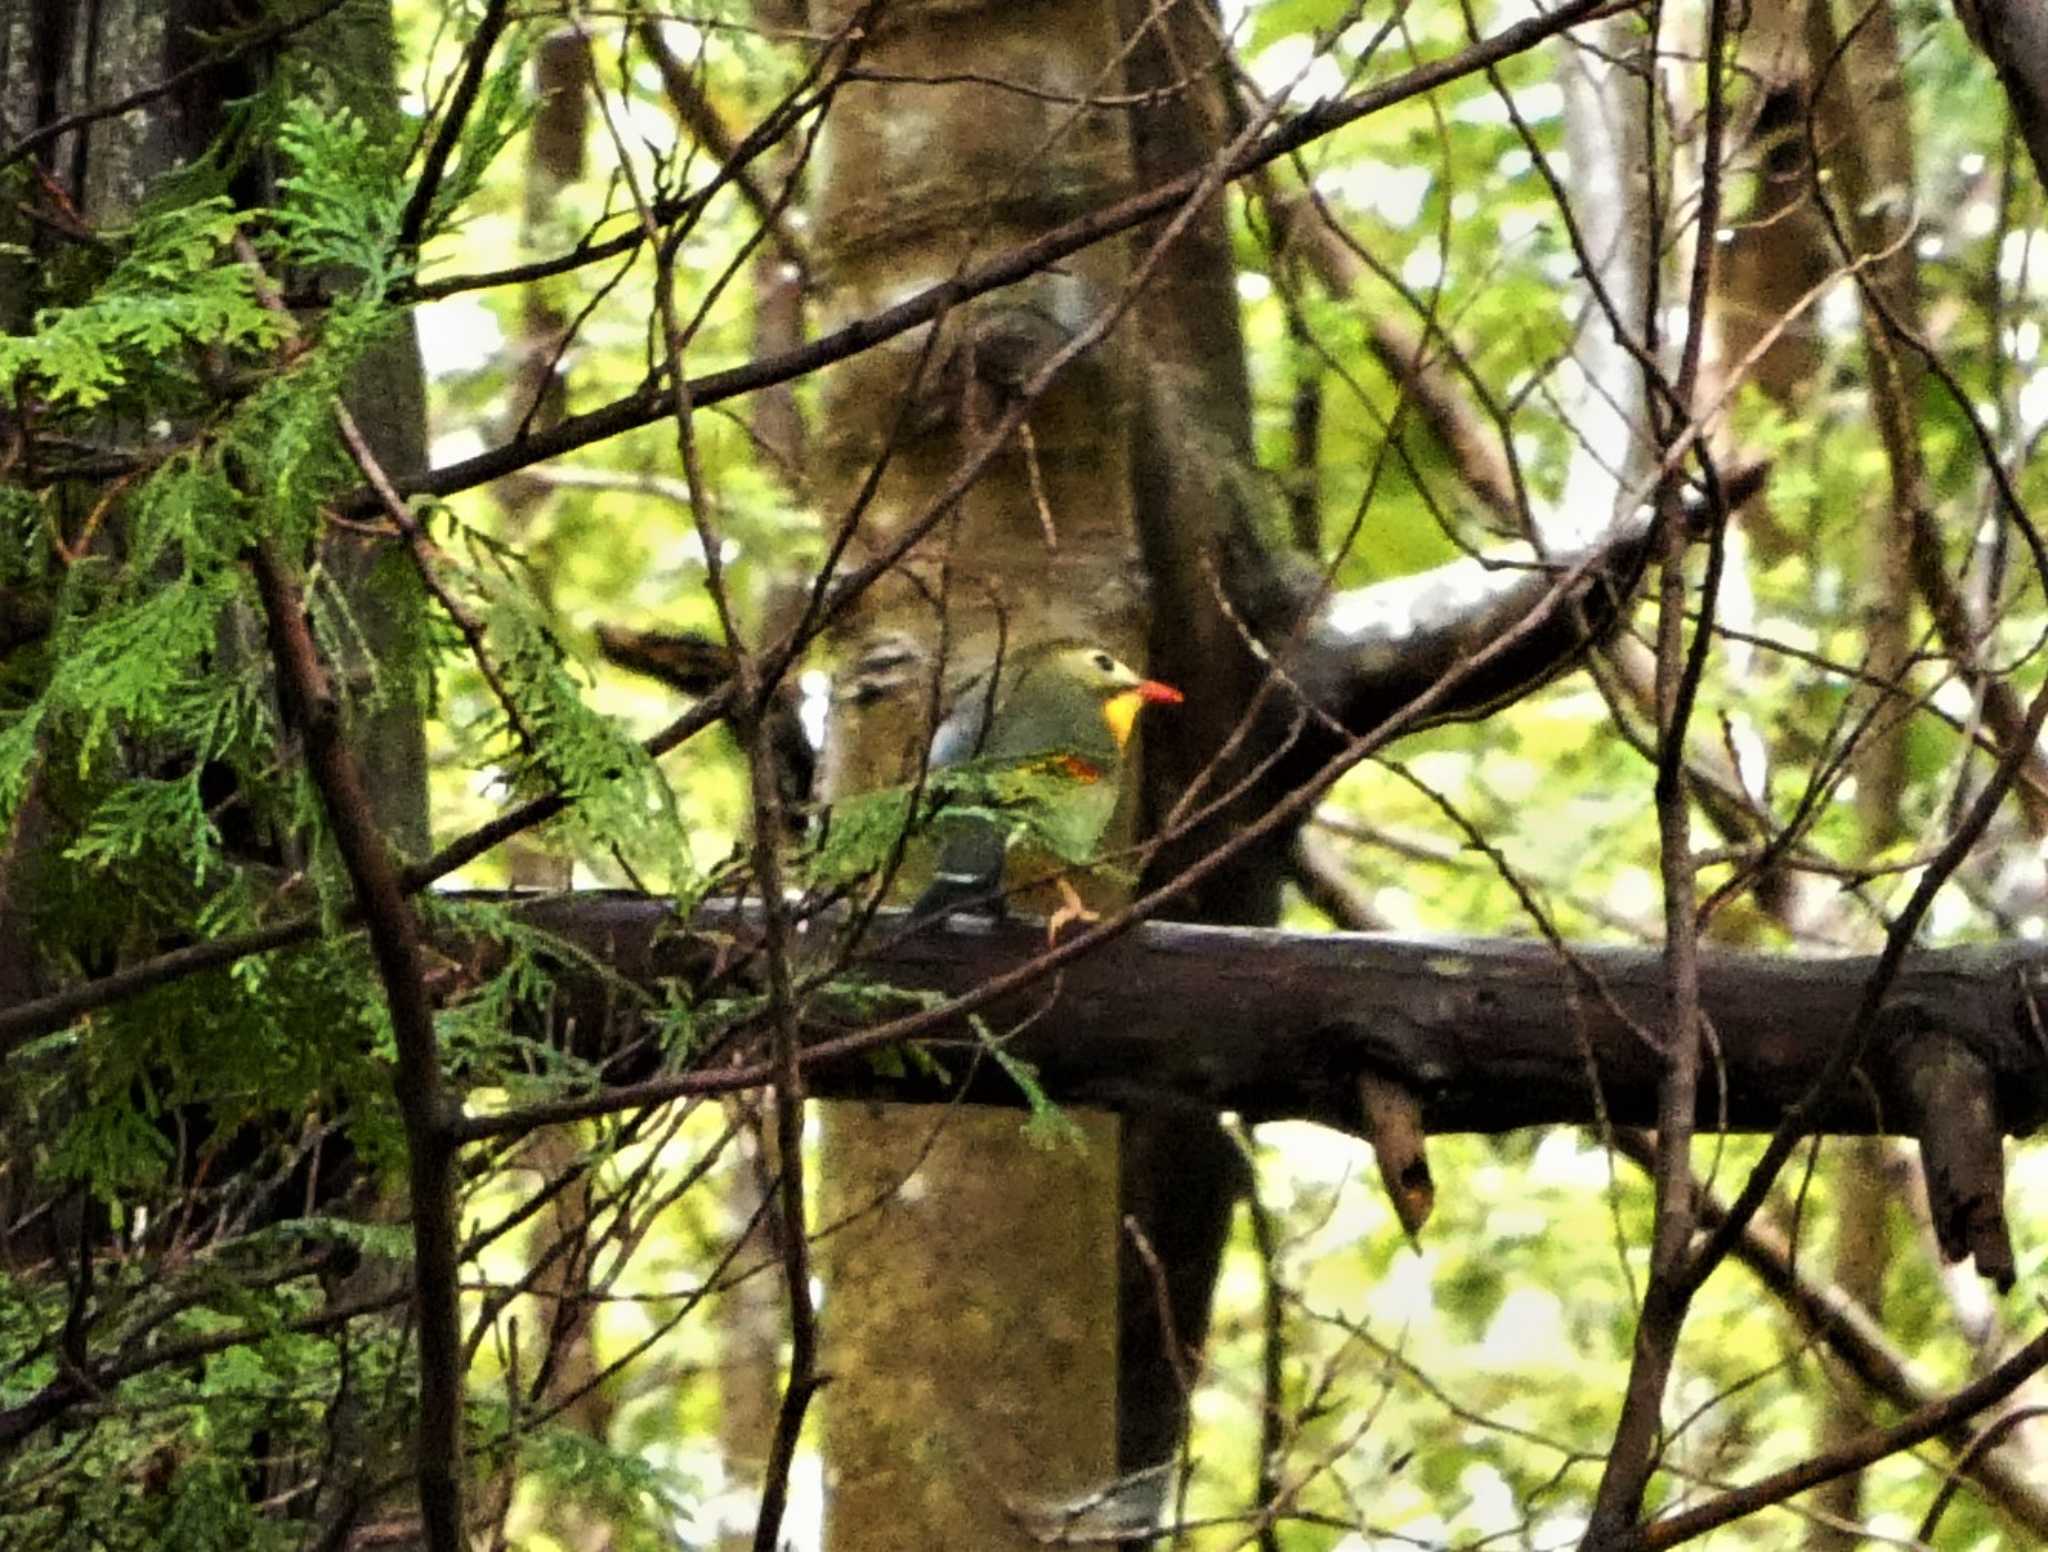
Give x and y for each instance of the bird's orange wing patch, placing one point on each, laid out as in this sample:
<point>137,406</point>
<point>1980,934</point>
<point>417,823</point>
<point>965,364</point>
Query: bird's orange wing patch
<point>1072,766</point>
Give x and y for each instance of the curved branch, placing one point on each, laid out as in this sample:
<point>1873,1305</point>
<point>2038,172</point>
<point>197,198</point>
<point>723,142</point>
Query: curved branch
<point>1375,648</point>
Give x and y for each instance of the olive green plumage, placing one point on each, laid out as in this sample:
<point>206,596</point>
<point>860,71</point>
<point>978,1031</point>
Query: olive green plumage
<point>1030,767</point>
<point>1052,754</point>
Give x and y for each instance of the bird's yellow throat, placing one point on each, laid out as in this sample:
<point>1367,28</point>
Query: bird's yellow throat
<point>1121,711</point>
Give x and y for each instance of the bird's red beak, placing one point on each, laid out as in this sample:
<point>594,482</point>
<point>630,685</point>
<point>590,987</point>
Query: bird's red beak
<point>1153,693</point>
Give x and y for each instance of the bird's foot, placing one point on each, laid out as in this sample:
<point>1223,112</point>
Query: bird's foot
<point>1072,908</point>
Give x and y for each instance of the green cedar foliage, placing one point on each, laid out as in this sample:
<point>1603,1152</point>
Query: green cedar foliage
<point>208,346</point>
<point>142,730</point>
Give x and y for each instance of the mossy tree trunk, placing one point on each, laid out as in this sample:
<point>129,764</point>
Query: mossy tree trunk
<point>1129,494</point>
<point>970,1311</point>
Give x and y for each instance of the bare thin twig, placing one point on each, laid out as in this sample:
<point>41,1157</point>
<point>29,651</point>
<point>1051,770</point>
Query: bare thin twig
<point>395,941</point>
<point>1680,667</point>
<point>476,62</point>
<point>1875,1445</point>
<point>651,402</point>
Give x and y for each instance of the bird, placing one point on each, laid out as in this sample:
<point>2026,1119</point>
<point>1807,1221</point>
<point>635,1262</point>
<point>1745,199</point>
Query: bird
<point>1040,766</point>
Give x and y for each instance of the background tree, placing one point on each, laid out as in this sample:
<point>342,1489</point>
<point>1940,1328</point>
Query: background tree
<point>1228,338</point>
<point>134,612</point>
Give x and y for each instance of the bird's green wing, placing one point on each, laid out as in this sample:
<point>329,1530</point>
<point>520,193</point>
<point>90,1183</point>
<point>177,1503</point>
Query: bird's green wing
<point>1056,802</point>
<point>856,836</point>
<point>1040,802</point>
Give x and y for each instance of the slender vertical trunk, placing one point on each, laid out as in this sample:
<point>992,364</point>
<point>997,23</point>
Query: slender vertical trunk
<point>969,1310</point>
<point>1197,490</point>
<point>1868,148</point>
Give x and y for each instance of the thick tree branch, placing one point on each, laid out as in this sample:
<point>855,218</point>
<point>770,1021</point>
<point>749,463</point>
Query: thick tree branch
<point>1375,648</point>
<point>1492,1035</point>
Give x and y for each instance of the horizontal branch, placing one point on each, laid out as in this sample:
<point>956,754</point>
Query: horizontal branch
<point>1491,1035</point>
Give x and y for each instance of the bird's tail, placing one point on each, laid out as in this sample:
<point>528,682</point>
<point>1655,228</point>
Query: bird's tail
<point>969,874</point>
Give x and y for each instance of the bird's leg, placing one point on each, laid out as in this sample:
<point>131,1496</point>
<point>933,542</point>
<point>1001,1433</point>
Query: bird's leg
<point>1072,908</point>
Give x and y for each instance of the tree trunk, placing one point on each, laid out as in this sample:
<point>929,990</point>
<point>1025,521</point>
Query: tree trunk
<point>1198,495</point>
<point>969,1318</point>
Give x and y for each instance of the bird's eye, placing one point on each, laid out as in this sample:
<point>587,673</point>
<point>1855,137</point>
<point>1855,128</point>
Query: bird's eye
<point>1105,662</point>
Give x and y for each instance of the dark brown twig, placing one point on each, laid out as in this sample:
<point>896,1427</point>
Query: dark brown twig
<point>1680,668</point>
<point>1987,1438</point>
<point>1875,1445</point>
<point>703,120</point>
<point>749,722</point>
<point>1268,1502</point>
<point>310,703</point>
<point>424,556</point>
<point>1830,1316</point>
<point>476,62</point>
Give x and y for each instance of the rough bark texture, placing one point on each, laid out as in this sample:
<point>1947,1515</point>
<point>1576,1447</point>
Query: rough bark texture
<point>1493,1034</point>
<point>972,1375</point>
<point>969,1316</point>
<point>54,61</point>
<point>52,65</point>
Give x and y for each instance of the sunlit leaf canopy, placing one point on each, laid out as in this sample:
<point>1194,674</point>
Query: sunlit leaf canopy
<point>1443,196</point>
<point>1440,1394</point>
